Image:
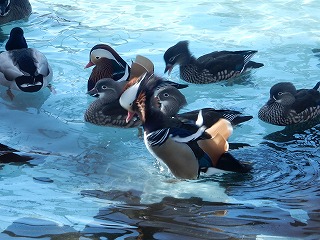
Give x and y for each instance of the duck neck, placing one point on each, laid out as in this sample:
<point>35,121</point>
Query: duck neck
<point>154,120</point>
<point>187,59</point>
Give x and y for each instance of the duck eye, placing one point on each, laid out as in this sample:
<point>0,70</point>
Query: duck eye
<point>172,59</point>
<point>166,94</point>
<point>104,87</point>
<point>280,93</point>
<point>97,57</point>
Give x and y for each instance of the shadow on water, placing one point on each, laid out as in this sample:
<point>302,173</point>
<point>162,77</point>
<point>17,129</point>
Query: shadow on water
<point>171,218</point>
<point>3,37</point>
<point>302,133</point>
<point>279,198</point>
<point>316,54</point>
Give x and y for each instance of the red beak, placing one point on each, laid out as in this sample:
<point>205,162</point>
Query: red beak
<point>168,69</point>
<point>89,64</point>
<point>130,116</point>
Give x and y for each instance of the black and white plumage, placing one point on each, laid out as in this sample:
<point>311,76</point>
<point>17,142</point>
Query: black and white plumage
<point>171,100</point>
<point>209,68</point>
<point>22,68</point>
<point>287,105</point>
<point>186,148</point>
<point>11,10</point>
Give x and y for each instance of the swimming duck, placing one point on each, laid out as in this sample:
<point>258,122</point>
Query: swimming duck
<point>186,148</point>
<point>106,110</point>
<point>287,105</point>
<point>209,68</point>
<point>11,10</point>
<point>108,64</point>
<point>22,68</point>
<point>171,100</point>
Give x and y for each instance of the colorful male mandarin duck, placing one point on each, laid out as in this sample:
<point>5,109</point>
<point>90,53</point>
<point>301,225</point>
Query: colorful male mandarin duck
<point>185,148</point>
<point>106,109</point>
<point>11,10</point>
<point>287,105</point>
<point>22,68</point>
<point>108,64</point>
<point>209,68</point>
<point>171,100</point>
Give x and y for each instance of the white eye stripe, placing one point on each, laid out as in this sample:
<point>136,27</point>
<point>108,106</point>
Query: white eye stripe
<point>173,58</point>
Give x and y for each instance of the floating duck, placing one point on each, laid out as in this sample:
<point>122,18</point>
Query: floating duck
<point>106,110</point>
<point>11,10</point>
<point>22,68</point>
<point>185,148</point>
<point>209,68</point>
<point>287,105</point>
<point>108,64</point>
<point>171,100</point>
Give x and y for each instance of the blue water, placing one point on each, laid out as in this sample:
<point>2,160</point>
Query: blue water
<point>90,182</point>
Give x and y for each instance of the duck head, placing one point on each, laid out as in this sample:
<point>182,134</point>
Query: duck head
<point>101,51</point>
<point>136,94</point>
<point>107,89</point>
<point>177,54</point>
<point>16,39</point>
<point>170,100</point>
<point>283,93</point>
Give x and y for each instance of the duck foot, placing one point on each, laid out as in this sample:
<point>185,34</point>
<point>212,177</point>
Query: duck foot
<point>52,89</point>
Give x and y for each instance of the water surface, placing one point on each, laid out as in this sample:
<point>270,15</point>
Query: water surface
<point>90,182</point>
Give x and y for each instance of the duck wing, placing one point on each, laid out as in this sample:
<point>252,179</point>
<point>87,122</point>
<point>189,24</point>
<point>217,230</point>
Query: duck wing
<point>114,109</point>
<point>306,98</point>
<point>225,60</point>
<point>212,116</point>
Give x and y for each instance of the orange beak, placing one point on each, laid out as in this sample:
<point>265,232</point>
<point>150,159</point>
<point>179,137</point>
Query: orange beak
<point>89,64</point>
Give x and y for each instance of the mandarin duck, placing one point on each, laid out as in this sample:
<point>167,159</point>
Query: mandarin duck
<point>185,148</point>
<point>22,68</point>
<point>108,64</point>
<point>171,100</point>
<point>287,105</point>
<point>209,68</point>
<point>11,10</point>
<point>106,109</point>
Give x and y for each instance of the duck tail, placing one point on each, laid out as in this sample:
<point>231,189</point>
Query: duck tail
<point>317,87</point>
<point>252,64</point>
<point>240,119</point>
<point>228,163</point>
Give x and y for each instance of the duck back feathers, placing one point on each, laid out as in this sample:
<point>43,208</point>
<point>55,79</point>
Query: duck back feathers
<point>211,67</point>
<point>14,10</point>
